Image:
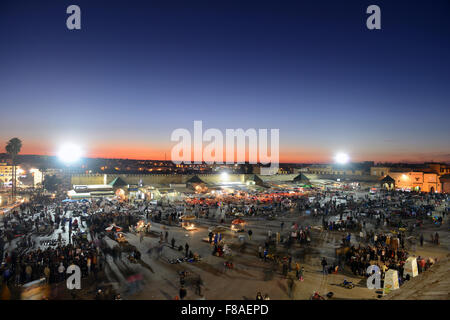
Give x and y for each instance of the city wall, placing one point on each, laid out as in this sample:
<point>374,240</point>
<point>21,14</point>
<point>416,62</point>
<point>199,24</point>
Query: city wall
<point>166,179</point>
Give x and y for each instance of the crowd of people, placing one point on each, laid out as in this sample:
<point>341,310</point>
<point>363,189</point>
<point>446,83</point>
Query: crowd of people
<point>51,263</point>
<point>369,218</point>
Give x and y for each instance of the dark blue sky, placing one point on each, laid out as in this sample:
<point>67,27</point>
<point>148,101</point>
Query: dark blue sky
<point>137,70</point>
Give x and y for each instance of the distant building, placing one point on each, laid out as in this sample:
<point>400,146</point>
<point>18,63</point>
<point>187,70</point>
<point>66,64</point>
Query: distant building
<point>417,181</point>
<point>6,173</point>
<point>336,170</point>
<point>379,171</point>
<point>415,177</point>
<point>445,182</point>
<point>38,177</point>
<point>439,168</point>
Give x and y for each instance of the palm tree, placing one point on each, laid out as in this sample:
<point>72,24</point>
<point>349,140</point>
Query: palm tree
<point>13,147</point>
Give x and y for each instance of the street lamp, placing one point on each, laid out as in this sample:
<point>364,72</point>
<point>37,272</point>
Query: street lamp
<point>341,158</point>
<point>69,153</point>
<point>224,176</point>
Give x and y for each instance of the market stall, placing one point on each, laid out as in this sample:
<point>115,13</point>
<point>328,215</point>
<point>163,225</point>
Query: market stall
<point>187,222</point>
<point>238,225</point>
<point>120,237</point>
<point>113,227</point>
<point>142,226</point>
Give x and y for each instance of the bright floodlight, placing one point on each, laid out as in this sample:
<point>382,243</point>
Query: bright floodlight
<point>341,158</point>
<point>224,176</point>
<point>69,153</point>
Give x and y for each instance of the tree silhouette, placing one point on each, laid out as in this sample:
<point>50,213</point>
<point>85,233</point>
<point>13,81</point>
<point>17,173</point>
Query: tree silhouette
<point>13,147</point>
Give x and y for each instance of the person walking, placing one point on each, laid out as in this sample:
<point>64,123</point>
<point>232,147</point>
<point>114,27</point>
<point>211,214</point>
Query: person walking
<point>285,269</point>
<point>301,274</point>
<point>28,273</point>
<point>47,274</point>
<point>160,250</point>
<point>198,286</point>
<point>61,270</point>
<point>186,248</point>
<point>421,240</point>
<point>291,288</point>
<point>182,278</point>
<point>183,292</point>
<point>324,265</point>
<point>88,264</point>
<point>260,252</point>
<point>210,236</point>
<point>250,232</point>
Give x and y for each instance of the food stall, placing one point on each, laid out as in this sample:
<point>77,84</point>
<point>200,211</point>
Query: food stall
<point>113,227</point>
<point>217,232</point>
<point>120,237</point>
<point>141,226</point>
<point>187,222</point>
<point>238,225</point>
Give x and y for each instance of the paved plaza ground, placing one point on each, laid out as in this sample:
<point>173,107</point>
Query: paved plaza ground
<point>250,273</point>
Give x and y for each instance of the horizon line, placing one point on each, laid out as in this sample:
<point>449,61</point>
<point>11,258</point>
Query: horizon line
<point>203,162</point>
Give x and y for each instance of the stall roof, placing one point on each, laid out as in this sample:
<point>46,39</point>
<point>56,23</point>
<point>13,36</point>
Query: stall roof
<point>118,182</point>
<point>195,179</point>
<point>388,178</point>
<point>301,178</point>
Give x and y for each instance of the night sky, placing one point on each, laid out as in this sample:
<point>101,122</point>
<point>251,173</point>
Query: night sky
<point>137,70</point>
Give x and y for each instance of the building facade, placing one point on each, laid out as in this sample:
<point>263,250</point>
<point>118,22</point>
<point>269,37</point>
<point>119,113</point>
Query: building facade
<point>6,173</point>
<point>333,170</point>
<point>445,182</point>
<point>439,168</point>
<point>417,181</point>
<point>379,171</point>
